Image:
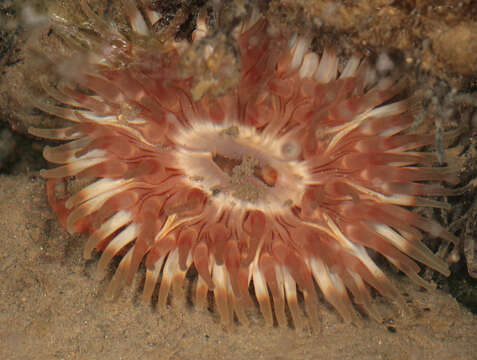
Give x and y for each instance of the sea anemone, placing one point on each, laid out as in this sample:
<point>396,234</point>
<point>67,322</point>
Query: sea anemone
<point>289,180</point>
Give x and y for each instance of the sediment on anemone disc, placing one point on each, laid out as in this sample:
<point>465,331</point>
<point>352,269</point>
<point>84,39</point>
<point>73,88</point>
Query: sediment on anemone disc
<point>284,182</point>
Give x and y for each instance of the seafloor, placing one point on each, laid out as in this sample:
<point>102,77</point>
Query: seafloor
<point>52,307</point>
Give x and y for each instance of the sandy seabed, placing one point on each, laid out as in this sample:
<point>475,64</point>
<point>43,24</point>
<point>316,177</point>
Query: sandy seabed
<point>52,307</point>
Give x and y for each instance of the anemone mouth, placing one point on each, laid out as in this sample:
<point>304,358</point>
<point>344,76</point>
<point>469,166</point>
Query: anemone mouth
<point>238,167</point>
